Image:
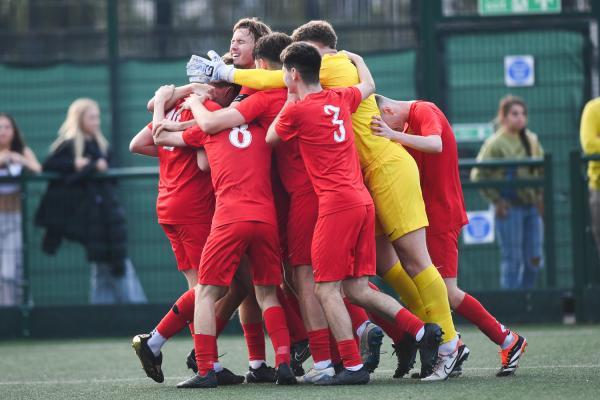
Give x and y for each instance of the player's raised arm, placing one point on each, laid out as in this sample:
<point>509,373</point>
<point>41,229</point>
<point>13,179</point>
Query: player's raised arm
<point>367,83</point>
<point>179,93</point>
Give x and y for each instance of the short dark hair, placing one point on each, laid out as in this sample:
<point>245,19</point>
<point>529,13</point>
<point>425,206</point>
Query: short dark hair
<point>256,27</point>
<point>316,31</point>
<point>305,58</point>
<point>269,47</point>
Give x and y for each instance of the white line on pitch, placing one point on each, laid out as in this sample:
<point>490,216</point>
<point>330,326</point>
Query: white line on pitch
<point>379,371</point>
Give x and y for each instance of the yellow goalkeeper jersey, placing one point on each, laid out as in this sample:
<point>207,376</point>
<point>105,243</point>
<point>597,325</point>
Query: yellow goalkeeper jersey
<point>336,71</point>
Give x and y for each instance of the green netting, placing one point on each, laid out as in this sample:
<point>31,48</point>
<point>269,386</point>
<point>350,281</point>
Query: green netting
<point>475,68</point>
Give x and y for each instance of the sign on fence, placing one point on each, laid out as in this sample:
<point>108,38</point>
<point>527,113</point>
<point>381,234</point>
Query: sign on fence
<point>519,70</point>
<point>476,132</point>
<point>481,227</point>
<point>504,7</point>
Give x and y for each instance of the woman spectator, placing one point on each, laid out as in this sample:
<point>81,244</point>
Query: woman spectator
<point>86,210</point>
<point>518,211</point>
<point>15,157</point>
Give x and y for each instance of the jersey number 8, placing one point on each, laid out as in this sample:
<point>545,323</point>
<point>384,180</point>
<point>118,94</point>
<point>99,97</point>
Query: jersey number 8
<point>240,136</point>
<point>341,136</point>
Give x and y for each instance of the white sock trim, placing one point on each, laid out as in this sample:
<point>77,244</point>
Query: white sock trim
<point>355,367</point>
<point>156,342</point>
<point>362,327</point>
<point>420,334</point>
<point>256,364</point>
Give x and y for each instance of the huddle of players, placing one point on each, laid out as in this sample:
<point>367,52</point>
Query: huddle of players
<point>331,225</point>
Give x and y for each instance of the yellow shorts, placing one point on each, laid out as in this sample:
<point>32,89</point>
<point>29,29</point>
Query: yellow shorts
<point>393,180</point>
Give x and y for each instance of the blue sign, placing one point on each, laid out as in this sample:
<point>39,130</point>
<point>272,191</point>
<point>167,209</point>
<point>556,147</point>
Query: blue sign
<point>480,229</point>
<point>519,71</point>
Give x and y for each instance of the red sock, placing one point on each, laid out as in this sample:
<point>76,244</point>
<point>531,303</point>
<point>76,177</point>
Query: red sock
<point>391,329</point>
<point>191,326</point>
<point>358,315</point>
<point>407,322</point>
<point>472,310</point>
<point>292,318</point>
<point>333,349</point>
<point>292,300</point>
<point>206,352</point>
<point>178,316</point>
<point>349,352</point>
<point>278,332</point>
<point>255,341</point>
<point>318,341</point>
<point>221,324</point>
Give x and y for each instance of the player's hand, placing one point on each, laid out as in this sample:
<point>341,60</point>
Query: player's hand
<point>352,56</point>
<point>164,93</point>
<point>380,128</point>
<point>101,165</point>
<point>202,89</point>
<point>193,99</point>
<point>200,69</point>
<point>168,125</point>
<point>81,163</point>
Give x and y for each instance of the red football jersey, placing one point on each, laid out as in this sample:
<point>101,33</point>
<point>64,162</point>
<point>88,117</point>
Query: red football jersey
<point>322,123</point>
<point>440,180</point>
<point>240,163</point>
<point>185,193</point>
<point>263,107</point>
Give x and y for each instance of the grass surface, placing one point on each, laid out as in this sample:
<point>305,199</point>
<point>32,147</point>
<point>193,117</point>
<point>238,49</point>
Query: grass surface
<point>560,363</point>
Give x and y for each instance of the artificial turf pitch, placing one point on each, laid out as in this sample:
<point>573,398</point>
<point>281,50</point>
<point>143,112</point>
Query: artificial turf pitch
<point>562,362</point>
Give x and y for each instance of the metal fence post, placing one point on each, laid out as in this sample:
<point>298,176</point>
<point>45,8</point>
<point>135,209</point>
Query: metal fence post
<point>428,74</point>
<point>577,230</point>
<point>26,302</point>
<point>549,238</point>
<point>112,32</point>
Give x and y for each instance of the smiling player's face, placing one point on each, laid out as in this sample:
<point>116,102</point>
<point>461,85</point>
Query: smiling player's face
<point>242,44</point>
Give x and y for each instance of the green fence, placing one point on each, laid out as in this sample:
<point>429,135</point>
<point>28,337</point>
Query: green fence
<point>586,260</point>
<point>59,285</point>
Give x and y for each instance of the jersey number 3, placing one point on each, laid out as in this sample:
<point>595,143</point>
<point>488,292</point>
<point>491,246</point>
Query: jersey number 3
<point>240,136</point>
<point>338,136</point>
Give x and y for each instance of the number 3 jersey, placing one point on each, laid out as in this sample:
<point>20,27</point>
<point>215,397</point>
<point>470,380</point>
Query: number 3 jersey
<point>322,123</point>
<point>240,163</point>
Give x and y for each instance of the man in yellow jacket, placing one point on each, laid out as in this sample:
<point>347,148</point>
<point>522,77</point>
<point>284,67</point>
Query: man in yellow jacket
<point>590,142</point>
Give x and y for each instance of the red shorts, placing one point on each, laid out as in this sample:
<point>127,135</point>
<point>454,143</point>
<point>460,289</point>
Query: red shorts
<point>187,242</point>
<point>343,244</point>
<point>302,218</point>
<point>228,243</point>
<point>443,250</point>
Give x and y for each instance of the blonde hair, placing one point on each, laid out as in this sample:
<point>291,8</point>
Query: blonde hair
<point>71,128</point>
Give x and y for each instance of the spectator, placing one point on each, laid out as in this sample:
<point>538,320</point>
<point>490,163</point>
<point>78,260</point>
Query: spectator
<point>14,157</point>
<point>518,211</point>
<point>79,208</point>
<point>590,142</point>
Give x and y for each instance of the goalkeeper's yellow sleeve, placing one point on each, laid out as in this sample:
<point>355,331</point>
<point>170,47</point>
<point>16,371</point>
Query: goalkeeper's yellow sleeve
<point>259,79</point>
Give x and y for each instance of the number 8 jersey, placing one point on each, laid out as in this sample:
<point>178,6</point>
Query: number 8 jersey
<point>322,123</point>
<point>240,163</point>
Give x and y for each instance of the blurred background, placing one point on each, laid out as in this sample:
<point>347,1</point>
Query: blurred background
<point>464,55</point>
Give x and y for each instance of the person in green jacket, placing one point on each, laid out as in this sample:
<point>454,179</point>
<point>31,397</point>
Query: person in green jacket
<point>518,211</point>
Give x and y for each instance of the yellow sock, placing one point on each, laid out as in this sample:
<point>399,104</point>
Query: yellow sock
<point>434,295</point>
<point>399,280</point>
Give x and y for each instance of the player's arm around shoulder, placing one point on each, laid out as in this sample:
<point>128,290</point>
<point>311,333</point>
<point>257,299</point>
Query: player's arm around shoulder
<point>367,83</point>
<point>212,122</point>
<point>143,143</point>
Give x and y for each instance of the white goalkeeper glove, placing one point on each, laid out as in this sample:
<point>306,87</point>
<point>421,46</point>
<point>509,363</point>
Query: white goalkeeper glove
<point>203,70</point>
